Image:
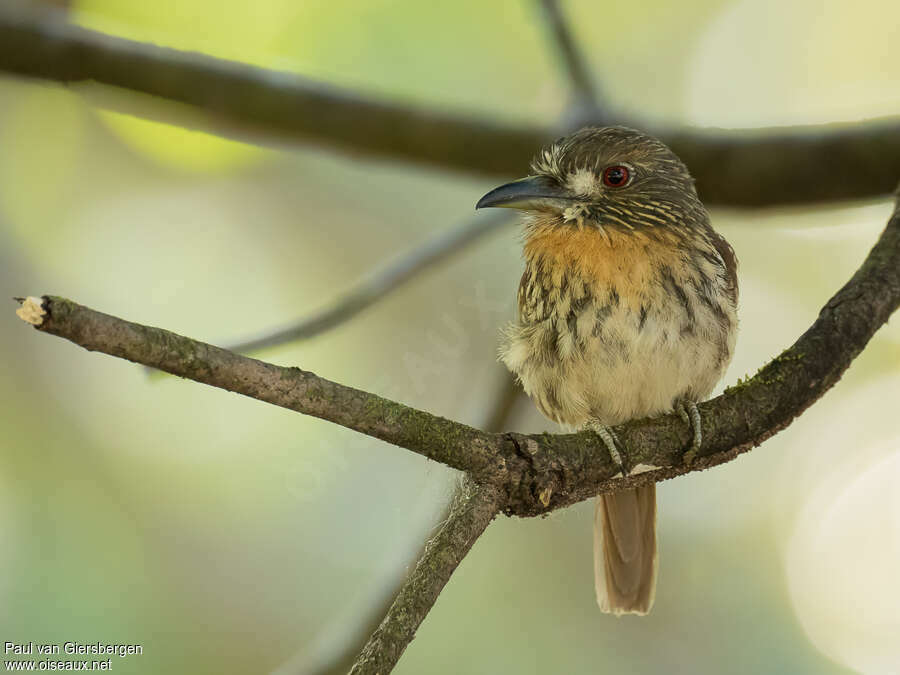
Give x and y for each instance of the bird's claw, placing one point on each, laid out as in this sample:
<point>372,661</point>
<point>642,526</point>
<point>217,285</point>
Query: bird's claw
<point>688,412</point>
<point>611,441</point>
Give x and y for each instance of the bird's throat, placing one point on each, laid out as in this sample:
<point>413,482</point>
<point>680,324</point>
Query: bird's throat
<point>600,255</point>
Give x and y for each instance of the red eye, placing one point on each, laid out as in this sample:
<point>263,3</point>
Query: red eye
<point>616,176</point>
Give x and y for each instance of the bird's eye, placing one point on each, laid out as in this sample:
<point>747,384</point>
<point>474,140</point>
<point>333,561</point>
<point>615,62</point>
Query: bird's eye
<point>616,176</point>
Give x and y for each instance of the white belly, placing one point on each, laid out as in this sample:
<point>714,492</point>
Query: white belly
<point>617,364</point>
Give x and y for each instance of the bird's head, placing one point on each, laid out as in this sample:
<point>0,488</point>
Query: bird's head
<point>607,177</point>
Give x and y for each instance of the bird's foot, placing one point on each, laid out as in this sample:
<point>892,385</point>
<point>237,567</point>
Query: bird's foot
<point>688,411</point>
<point>611,441</point>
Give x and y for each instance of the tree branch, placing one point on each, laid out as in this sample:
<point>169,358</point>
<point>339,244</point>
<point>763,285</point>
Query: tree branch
<point>538,472</point>
<point>496,420</point>
<point>473,509</point>
<point>586,93</point>
<point>330,661</point>
<point>740,168</point>
<point>445,244</point>
<point>450,443</point>
<point>390,277</point>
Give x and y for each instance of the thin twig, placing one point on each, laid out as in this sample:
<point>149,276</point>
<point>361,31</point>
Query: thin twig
<point>541,472</point>
<point>761,167</point>
<point>585,90</point>
<point>508,393</point>
<point>473,509</point>
<point>390,277</point>
<point>397,272</point>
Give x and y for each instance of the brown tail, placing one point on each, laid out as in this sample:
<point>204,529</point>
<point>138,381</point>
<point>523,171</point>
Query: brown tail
<point>625,557</point>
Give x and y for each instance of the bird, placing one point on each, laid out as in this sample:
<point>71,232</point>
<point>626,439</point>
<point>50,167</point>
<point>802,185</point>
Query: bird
<point>627,308</point>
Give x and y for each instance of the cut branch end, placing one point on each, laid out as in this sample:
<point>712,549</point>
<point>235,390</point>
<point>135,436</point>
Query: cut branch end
<point>32,310</point>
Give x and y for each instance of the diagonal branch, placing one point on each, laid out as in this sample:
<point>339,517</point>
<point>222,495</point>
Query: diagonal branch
<point>380,283</point>
<point>539,472</point>
<point>474,507</point>
<point>762,167</point>
<point>496,420</point>
<point>396,273</point>
<point>448,442</point>
<point>585,104</point>
<point>585,90</point>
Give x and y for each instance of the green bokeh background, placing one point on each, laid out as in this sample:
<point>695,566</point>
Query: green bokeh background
<point>228,536</point>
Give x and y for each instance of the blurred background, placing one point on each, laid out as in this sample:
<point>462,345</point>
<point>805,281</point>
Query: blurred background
<point>229,536</point>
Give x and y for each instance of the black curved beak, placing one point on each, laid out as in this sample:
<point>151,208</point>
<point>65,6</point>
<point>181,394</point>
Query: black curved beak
<point>537,193</point>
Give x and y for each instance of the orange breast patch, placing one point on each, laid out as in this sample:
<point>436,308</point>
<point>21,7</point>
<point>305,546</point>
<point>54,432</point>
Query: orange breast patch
<point>627,260</point>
